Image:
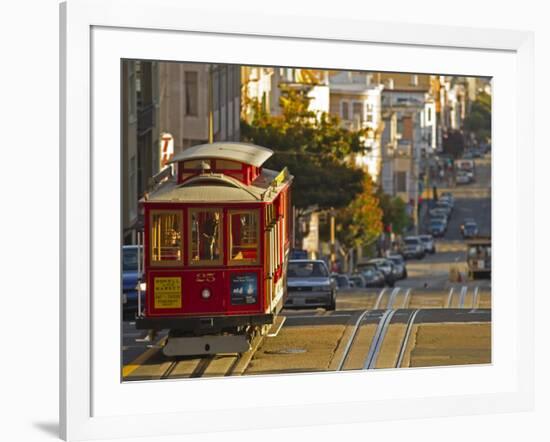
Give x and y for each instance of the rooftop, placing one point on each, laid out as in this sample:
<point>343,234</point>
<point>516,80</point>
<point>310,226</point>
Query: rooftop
<point>241,152</point>
<point>213,187</point>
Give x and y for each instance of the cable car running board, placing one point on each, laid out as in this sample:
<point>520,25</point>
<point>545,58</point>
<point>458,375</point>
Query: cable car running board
<point>206,345</point>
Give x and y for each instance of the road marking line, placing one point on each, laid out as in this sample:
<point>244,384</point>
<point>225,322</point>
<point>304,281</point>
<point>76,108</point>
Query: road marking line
<point>377,304</point>
<point>393,295</point>
<point>462,298</point>
<point>450,298</point>
<point>336,315</point>
<point>274,333</point>
<point>132,366</point>
<point>476,294</point>
<point>405,301</point>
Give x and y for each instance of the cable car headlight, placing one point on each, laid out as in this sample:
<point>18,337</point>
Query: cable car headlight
<point>142,286</point>
<point>205,293</point>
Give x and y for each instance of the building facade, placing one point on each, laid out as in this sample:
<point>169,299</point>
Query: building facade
<point>357,100</point>
<point>185,103</point>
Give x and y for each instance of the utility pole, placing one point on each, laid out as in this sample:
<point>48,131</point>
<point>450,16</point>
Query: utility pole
<point>332,239</point>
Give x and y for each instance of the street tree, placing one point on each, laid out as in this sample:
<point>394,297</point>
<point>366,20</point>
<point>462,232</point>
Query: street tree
<point>361,222</point>
<point>478,120</point>
<point>313,146</point>
<point>394,211</point>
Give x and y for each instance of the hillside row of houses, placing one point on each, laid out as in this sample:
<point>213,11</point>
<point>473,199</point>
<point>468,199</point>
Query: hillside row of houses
<point>167,107</point>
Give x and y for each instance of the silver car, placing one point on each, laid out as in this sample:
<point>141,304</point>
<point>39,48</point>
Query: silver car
<point>428,242</point>
<point>309,285</point>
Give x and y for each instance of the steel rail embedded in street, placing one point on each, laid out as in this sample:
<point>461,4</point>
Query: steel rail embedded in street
<point>351,339</point>
<point>378,339</point>
<point>405,341</point>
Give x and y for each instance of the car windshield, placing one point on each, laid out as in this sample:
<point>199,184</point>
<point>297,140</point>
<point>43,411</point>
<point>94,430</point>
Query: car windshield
<point>306,270</point>
<point>366,267</point>
<point>411,241</point>
<point>470,226</point>
<point>130,260</point>
<point>426,238</point>
<point>396,259</point>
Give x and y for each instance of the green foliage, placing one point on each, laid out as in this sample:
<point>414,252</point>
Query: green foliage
<point>313,146</point>
<point>478,120</point>
<point>394,212</point>
<point>360,223</point>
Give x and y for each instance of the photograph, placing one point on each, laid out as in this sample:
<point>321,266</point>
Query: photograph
<point>279,220</point>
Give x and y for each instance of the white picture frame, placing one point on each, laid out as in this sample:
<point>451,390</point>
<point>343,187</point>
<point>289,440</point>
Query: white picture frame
<point>94,35</point>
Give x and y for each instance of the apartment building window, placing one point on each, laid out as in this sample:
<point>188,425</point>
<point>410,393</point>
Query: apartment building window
<point>370,112</point>
<point>429,115</point>
<point>401,181</point>
<point>344,110</point>
<point>132,91</point>
<point>357,109</point>
<point>191,94</point>
<point>400,126</point>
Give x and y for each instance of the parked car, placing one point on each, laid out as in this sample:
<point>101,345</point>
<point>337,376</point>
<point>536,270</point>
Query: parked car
<point>447,201</point>
<point>470,230</point>
<point>342,280</point>
<point>358,281</point>
<point>437,227</point>
<point>429,243</point>
<point>130,280</point>
<point>371,275</point>
<point>309,285</point>
<point>399,263</point>
<point>445,205</point>
<point>448,196</point>
<point>387,268</point>
<point>439,211</point>
<point>441,218</point>
<point>374,278</point>
<point>413,248</point>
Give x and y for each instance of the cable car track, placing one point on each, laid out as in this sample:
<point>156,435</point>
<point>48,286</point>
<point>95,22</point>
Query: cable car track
<point>378,339</point>
<point>405,341</point>
<point>368,342</point>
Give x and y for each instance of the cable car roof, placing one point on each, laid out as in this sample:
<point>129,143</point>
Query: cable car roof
<point>241,152</point>
<point>213,187</point>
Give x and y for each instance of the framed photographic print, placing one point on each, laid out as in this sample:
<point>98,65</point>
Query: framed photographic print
<point>263,219</point>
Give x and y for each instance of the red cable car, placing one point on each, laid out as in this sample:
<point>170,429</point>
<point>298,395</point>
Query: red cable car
<point>216,247</point>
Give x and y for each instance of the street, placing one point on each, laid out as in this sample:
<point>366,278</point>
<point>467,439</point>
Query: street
<point>425,320</point>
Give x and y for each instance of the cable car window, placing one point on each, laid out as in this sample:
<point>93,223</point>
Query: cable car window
<point>166,238</point>
<point>244,234</point>
<point>206,236</point>
<point>197,164</point>
<point>228,165</point>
